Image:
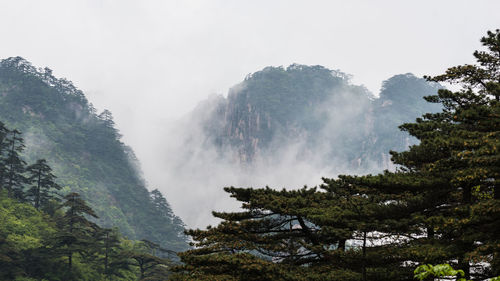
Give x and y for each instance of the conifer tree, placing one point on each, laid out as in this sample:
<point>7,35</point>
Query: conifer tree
<point>295,235</point>
<point>107,120</point>
<point>76,231</point>
<point>43,180</point>
<point>146,263</point>
<point>110,256</point>
<point>161,204</point>
<point>151,267</point>
<point>13,178</point>
<point>3,153</point>
<point>449,182</point>
<point>166,212</point>
<point>3,134</point>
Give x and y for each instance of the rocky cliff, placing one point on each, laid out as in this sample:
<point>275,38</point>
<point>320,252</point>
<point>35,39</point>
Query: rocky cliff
<point>319,111</point>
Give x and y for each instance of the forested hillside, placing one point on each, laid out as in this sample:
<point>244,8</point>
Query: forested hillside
<point>45,235</point>
<point>84,149</point>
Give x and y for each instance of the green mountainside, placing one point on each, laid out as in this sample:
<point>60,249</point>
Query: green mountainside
<point>319,108</point>
<point>85,151</point>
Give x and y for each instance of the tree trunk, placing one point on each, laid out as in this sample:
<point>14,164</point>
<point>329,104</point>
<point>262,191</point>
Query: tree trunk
<point>70,260</point>
<point>142,271</point>
<point>37,196</point>
<point>364,256</point>
<point>467,195</point>
<point>342,244</point>
<point>463,264</point>
<point>430,232</point>
<point>11,174</point>
<point>106,255</point>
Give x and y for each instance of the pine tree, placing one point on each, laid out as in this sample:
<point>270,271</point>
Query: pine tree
<point>161,204</point>
<point>151,267</point>
<point>43,182</point>
<point>13,178</point>
<point>3,153</point>
<point>296,235</point>
<point>449,182</point>
<point>165,212</point>
<point>3,134</point>
<point>110,256</point>
<point>107,118</point>
<point>76,231</point>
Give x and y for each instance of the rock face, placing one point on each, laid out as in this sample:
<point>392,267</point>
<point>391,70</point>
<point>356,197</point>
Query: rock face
<point>316,110</point>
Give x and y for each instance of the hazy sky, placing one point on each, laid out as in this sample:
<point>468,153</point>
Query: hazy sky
<point>152,61</point>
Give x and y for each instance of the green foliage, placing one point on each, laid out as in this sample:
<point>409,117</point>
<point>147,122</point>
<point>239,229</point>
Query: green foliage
<point>11,174</point>
<point>23,226</point>
<point>53,241</point>
<point>23,230</point>
<point>33,246</point>
<point>76,231</point>
<point>448,183</point>
<point>425,271</point>
<point>295,235</point>
<point>110,256</point>
<point>43,184</point>
<point>84,150</point>
<point>149,264</point>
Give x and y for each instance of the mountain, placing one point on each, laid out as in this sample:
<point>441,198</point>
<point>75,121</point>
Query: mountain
<point>400,101</point>
<point>85,151</point>
<point>319,111</point>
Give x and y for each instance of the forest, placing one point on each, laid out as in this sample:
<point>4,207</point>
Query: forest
<point>436,216</point>
<point>45,235</point>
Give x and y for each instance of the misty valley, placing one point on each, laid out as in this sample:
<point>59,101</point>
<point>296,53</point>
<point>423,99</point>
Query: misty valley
<point>297,173</point>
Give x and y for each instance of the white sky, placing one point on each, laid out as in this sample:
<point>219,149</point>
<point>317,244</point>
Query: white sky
<point>152,61</point>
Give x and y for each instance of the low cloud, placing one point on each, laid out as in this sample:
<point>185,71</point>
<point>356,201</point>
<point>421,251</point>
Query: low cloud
<point>196,169</point>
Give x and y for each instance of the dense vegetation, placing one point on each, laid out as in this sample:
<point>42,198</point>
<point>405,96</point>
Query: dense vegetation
<point>85,152</point>
<point>47,236</point>
<point>440,206</point>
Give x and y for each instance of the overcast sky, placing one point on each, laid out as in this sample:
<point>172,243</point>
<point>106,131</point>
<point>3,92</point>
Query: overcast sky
<point>152,61</point>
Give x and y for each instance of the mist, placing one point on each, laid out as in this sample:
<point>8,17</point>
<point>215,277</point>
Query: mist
<point>151,63</point>
<point>196,170</point>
